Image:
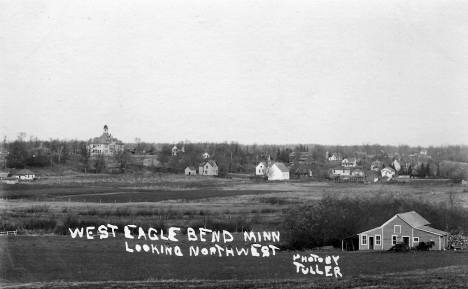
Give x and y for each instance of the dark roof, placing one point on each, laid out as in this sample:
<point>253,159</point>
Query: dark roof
<point>105,138</point>
<point>389,168</point>
<point>282,167</point>
<point>211,162</point>
<point>191,168</point>
<point>340,168</point>
<point>23,173</point>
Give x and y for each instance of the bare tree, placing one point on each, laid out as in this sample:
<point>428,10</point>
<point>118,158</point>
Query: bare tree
<point>21,136</point>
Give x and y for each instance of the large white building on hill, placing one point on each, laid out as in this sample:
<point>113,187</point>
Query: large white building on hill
<point>105,144</point>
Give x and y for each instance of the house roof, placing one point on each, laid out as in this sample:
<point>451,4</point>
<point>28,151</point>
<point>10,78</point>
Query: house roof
<point>340,168</point>
<point>23,173</point>
<point>3,175</point>
<point>282,167</point>
<point>105,138</point>
<point>350,160</point>
<point>211,162</point>
<point>389,168</point>
<point>191,168</point>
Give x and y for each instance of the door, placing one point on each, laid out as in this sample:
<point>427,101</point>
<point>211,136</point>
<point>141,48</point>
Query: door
<point>406,241</point>
<point>371,243</point>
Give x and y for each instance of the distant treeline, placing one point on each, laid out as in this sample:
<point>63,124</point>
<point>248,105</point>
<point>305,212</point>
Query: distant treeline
<point>30,151</point>
<point>331,219</point>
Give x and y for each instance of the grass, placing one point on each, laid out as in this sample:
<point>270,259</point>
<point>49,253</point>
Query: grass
<point>47,259</point>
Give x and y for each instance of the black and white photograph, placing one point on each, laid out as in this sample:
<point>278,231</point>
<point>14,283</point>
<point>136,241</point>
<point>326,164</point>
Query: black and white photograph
<point>234,144</point>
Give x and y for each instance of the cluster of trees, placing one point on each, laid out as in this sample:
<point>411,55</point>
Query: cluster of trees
<point>32,152</point>
<point>331,219</point>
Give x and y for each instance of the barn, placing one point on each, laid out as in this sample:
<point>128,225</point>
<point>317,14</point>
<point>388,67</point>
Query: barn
<point>406,228</point>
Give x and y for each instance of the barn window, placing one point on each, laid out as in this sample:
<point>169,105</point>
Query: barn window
<point>364,240</point>
<point>397,229</point>
<point>394,238</point>
<point>416,240</point>
<point>378,240</point>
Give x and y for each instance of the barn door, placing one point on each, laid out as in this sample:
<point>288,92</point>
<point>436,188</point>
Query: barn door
<point>406,241</point>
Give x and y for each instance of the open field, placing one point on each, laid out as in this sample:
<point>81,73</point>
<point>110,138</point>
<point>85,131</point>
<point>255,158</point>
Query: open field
<point>40,254</point>
<point>52,258</point>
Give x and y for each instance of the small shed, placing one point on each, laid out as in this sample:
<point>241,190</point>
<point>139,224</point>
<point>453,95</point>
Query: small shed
<point>190,171</point>
<point>3,175</point>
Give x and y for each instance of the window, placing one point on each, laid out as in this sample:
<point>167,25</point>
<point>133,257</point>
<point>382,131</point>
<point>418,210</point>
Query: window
<point>394,238</point>
<point>378,240</point>
<point>397,229</point>
<point>206,167</point>
<point>364,240</point>
<point>416,240</point>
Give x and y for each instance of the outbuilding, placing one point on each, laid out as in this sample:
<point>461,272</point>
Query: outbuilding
<point>190,171</point>
<point>408,228</point>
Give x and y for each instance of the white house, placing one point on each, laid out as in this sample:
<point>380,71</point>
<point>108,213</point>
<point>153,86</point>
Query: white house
<point>340,171</point>
<point>208,168</point>
<point>261,169</point>
<point>387,172</point>
<point>105,144</point>
<point>396,165</point>
<point>175,150</point>
<point>205,156</point>
<point>357,172</point>
<point>335,157</point>
<point>278,171</point>
<point>349,162</point>
<point>190,171</point>
<point>25,175</point>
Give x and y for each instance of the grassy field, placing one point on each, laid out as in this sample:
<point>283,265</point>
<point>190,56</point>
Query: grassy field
<point>28,259</point>
<point>39,255</point>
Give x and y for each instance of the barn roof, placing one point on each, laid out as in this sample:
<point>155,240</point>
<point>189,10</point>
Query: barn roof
<point>432,230</point>
<point>414,219</point>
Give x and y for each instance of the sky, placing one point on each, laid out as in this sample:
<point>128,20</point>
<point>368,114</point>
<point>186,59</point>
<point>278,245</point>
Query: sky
<point>265,72</point>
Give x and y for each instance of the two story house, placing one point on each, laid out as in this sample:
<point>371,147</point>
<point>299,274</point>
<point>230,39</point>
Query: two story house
<point>208,168</point>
